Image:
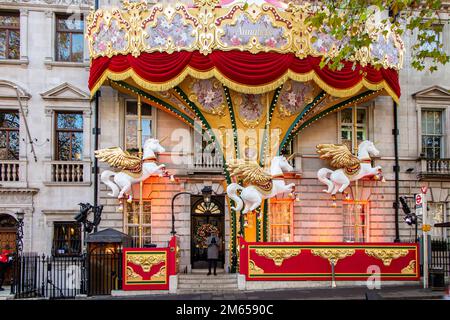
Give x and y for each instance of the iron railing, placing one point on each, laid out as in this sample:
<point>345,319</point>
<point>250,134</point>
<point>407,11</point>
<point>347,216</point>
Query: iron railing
<point>440,255</point>
<point>104,273</point>
<point>51,277</point>
<point>41,276</point>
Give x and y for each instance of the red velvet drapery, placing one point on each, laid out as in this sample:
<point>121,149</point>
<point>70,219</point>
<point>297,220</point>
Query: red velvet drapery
<point>240,68</point>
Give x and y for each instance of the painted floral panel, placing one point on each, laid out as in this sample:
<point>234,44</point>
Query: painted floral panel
<point>244,29</point>
<point>385,49</point>
<point>181,34</point>
<point>109,35</point>
<point>250,109</point>
<point>295,96</point>
<point>325,43</point>
<point>209,95</point>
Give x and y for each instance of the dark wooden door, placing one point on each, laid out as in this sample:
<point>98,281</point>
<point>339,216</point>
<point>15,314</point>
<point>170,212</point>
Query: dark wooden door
<point>201,215</point>
<point>8,227</point>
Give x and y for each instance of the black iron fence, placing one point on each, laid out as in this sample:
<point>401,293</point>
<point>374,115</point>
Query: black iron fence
<point>50,277</point>
<point>440,255</point>
<point>41,276</point>
<point>104,273</point>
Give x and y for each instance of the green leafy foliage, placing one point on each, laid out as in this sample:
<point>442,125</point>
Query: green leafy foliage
<point>421,21</point>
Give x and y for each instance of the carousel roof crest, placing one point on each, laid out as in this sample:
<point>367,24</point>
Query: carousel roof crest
<point>139,27</point>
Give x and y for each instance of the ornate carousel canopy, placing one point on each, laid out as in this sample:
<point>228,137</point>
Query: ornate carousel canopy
<point>237,66</point>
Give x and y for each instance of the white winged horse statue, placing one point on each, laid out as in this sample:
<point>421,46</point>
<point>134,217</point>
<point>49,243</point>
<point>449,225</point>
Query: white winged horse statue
<point>261,185</point>
<point>350,168</point>
<point>134,169</point>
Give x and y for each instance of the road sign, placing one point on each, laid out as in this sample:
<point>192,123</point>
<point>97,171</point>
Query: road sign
<point>426,228</point>
<point>419,201</point>
<point>424,189</point>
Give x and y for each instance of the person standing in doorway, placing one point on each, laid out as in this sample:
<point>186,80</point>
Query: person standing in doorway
<point>4,264</point>
<point>213,243</point>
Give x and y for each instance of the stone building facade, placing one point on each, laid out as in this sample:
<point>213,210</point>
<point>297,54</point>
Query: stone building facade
<point>51,75</point>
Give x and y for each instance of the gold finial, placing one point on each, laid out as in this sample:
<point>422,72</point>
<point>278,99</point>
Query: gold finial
<point>202,3</point>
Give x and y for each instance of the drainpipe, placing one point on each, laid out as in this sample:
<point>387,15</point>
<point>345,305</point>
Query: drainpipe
<point>96,132</point>
<point>395,132</point>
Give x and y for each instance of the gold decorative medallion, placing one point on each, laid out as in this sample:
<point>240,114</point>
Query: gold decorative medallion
<point>410,268</point>
<point>387,255</point>
<point>146,261</point>
<point>278,255</point>
<point>333,255</point>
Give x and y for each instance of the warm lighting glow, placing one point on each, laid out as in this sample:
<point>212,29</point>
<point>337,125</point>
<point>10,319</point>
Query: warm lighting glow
<point>207,192</point>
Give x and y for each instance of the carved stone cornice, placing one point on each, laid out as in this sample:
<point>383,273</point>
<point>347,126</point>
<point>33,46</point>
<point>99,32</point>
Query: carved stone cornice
<point>19,190</point>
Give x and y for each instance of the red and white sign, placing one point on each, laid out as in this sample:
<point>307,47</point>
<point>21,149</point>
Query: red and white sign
<point>418,200</point>
<point>424,189</point>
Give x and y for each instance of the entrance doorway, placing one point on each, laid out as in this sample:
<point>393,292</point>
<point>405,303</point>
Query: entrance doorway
<point>8,227</point>
<point>204,217</point>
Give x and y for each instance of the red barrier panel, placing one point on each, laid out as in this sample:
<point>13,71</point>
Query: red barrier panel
<point>281,261</point>
<point>149,268</point>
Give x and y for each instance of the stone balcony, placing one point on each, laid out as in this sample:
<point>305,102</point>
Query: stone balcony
<point>68,173</point>
<point>12,173</point>
<point>190,163</point>
<point>434,169</point>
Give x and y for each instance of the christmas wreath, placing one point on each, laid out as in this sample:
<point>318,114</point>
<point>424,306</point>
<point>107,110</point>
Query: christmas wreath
<point>202,234</point>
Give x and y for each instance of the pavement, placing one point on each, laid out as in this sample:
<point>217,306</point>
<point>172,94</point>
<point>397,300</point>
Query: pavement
<point>6,294</point>
<point>404,292</point>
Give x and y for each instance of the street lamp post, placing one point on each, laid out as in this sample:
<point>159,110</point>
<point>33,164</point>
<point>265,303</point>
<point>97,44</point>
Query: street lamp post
<point>19,232</point>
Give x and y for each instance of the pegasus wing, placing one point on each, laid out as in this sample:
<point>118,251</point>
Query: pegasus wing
<point>118,158</point>
<point>250,171</point>
<point>338,155</point>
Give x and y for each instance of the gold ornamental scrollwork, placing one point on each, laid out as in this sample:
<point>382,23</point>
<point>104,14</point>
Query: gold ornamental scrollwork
<point>301,30</point>
<point>206,29</point>
<point>206,25</point>
<point>160,275</point>
<point>146,261</point>
<point>410,268</point>
<point>333,255</point>
<point>278,255</point>
<point>387,255</point>
<point>131,275</point>
<point>254,269</point>
<point>136,34</point>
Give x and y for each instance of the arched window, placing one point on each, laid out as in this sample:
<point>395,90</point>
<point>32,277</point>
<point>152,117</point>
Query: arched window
<point>7,222</point>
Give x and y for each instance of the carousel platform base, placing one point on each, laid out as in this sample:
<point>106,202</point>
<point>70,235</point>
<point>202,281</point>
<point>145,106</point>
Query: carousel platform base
<point>123,293</point>
<point>267,285</point>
